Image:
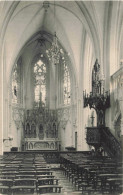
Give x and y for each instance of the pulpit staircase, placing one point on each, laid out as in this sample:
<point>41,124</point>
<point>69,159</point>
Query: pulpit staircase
<point>102,137</point>
<point>110,144</point>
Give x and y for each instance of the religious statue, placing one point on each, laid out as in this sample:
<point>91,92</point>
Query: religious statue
<point>15,91</point>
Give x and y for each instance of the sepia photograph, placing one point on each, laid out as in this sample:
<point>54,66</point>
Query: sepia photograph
<point>61,97</point>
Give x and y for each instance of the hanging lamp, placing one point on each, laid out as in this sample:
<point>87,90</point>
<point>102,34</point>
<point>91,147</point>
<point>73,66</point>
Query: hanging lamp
<point>55,52</point>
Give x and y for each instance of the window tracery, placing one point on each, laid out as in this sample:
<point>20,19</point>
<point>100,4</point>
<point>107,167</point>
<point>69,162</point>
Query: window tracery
<point>40,82</point>
<point>16,84</point>
<point>66,86</point>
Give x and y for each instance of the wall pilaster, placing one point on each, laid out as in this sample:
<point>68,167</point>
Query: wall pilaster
<point>120,97</point>
<point>1,109</point>
<point>79,130</point>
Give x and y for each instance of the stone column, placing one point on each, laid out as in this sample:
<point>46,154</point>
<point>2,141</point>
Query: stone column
<point>1,110</point>
<point>79,126</point>
<point>121,108</point>
<point>122,132</point>
<point>120,97</point>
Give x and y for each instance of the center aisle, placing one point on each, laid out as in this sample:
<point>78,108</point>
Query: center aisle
<point>67,187</point>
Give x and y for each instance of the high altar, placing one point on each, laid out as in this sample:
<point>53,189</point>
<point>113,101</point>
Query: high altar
<point>41,129</point>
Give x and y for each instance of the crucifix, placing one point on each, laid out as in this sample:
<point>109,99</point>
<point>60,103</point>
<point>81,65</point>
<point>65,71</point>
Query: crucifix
<point>92,120</point>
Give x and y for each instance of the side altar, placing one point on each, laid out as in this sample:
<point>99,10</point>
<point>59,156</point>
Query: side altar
<point>41,129</point>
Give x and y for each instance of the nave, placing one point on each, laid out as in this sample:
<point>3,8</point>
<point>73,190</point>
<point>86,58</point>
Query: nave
<point>72,173</point>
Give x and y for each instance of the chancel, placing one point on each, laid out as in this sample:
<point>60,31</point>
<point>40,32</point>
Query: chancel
<point>61,97</point>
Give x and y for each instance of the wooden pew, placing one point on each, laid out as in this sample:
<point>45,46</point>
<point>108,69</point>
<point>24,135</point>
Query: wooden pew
<point>114,183</point>
<point>43,172</point>
<point>5,185</point>
<point>84,170</point>
<point>27,172</point>
<point>7,176</point>
<point>9,172</point>
<point>49,189</point>
<point>44,176</point>
<point>42,169</point>
<point>25,176</point>
<point>47,181</point>
<point>24,185</point>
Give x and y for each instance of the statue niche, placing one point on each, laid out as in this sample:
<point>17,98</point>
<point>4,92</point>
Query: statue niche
<point>30,130</point>
<point>41,132</point>
<point>48,128</point>
<point>27,130</point>
<point>33,130</point>
<point>52,130</point>
<point>55,130</point>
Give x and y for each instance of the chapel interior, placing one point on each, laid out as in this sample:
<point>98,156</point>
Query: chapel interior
<point>61,97</point>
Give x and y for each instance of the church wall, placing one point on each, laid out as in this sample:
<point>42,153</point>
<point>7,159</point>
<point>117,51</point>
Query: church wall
<point>65,136</point>
<point>15,128</point>
<point>1,113</point>
<point>65,127</point>
<point>68,135</point>
<point>117,103</point>
<point>5,106</point>
<point>62,137</point>
<point>114,58</point>
<point>14,133</point>
<point>14,111</point>
<point>28,83</point>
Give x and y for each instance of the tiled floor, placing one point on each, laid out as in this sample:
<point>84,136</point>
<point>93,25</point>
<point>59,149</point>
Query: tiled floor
<point>64,182</point>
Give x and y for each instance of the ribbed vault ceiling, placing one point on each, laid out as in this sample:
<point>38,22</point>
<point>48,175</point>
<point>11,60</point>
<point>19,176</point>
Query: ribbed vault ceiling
<point>30,18</point>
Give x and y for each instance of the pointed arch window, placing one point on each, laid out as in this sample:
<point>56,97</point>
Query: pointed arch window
<point>16,84</point>
<point>39,82</point>
<point>66,86</point>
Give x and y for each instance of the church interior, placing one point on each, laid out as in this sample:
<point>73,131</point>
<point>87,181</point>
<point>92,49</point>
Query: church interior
<point>61,97</point>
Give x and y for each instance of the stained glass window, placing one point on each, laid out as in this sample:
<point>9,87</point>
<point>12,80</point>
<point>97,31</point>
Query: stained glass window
<point>40,82</point>
<point>16,84</point>
<point>66,86</point>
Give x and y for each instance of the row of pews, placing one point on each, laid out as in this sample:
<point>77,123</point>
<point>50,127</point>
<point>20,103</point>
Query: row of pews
<point>93,174</point>
<point>26,173</point>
